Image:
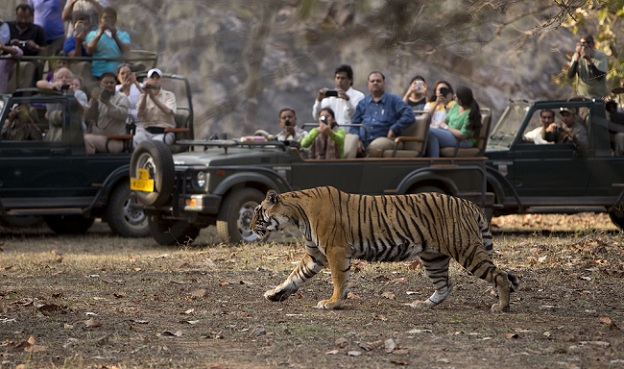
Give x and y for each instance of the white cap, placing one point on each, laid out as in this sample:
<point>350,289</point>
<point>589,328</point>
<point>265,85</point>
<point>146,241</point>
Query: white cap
<point>152,71</point>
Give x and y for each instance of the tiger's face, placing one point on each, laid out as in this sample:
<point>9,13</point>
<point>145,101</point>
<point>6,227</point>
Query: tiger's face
<point>267,216</point>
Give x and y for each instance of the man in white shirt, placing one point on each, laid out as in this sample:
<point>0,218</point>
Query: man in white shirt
<point>538,135</point>
<point>342,100</point>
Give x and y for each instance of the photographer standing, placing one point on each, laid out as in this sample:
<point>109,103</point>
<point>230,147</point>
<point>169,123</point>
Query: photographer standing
<point>108,111</point>
<point>156,110</point>
<point>342,100</point>
<point>591,67</point>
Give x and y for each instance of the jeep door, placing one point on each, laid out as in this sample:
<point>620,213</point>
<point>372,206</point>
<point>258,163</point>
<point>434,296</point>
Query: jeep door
<point>38,173</point>
<point>542,173</point>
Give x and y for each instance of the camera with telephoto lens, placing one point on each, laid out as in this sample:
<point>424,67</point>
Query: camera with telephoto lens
<point>287,123</point>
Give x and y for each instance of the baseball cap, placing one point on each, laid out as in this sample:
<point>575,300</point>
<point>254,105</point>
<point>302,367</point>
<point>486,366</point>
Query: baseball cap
<point>566,109</point>
<point>152,71</point>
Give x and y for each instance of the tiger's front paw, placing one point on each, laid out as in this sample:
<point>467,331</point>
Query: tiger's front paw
<point>498,308</point>
<point>328,305</point>
<point>276,294</point>
<point>422,305</point>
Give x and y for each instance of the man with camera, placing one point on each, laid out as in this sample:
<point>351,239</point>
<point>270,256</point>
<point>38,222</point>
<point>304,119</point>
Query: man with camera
<point>571,131</point>
<point>29,37</point>
<point>156,109</point>
<point>591,67</point>
<point>54,112</point>
<point>107,114</point>
<point>342,100</point>
<point>288,123</point>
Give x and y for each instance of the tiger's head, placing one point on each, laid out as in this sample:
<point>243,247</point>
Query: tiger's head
<point>269,215</point>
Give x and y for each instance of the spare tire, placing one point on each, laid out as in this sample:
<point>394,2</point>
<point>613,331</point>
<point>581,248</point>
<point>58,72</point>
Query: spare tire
<point>156,157</point>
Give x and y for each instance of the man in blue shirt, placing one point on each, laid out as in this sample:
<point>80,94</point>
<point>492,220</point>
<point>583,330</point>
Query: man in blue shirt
<point>383,115</point>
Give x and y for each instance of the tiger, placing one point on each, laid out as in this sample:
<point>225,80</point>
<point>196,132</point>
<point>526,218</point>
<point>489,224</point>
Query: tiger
<point>339,226</point>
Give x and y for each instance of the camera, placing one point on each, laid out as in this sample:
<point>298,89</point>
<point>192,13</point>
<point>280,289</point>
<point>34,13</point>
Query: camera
<point>331,93</point>
<point>64,87</point>
<point>22,44</point>
<point>324,119</point>
<point>419,85</point>
<point>287,123</point>
<point>444,91</point>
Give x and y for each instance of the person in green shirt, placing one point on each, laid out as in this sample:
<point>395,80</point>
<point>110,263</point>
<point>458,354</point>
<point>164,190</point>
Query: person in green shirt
<point>461,124</point>
<point>327,140</point>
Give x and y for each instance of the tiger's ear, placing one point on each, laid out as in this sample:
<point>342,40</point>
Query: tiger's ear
<point>272,197</point>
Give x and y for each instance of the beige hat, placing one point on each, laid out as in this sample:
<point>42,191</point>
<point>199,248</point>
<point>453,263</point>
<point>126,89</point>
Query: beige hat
<point>569,110</point>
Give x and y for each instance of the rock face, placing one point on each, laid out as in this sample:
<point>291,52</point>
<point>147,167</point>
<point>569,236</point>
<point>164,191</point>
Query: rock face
<point>248,59</point>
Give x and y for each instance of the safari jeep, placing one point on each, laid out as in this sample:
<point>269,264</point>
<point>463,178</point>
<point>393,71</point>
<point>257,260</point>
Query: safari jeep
<point>56,179</point>
<point>220,182</point>
<point>554,178</point>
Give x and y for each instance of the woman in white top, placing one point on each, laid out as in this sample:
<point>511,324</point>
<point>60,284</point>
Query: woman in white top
<point>440,102</point>
<point>129,86</point>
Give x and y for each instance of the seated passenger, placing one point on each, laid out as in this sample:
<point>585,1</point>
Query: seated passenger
<point>289,132</point>
<point>156,109</point>
<point>461,125</point>
<point>107,42</point>
<point>383,117</point>
<point>326,141</point>
<point>107,114</point>
<point>571,130</point>
<point>416,95</point>
<point>54,112</point>
<point>538,135</point>
<point>440,102</point>
<point>129,86</point>
<point>21,125</point>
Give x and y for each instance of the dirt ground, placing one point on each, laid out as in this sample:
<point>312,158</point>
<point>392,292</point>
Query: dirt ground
<point>99,301</point>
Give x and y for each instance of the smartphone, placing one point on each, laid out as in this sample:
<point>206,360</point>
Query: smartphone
<point>418,85</point>
<point>331,93</point>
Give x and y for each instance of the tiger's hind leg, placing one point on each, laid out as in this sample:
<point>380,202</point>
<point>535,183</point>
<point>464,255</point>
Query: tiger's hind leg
<point>436,265</point>
<point>480,265</point>
<point>307,268</point>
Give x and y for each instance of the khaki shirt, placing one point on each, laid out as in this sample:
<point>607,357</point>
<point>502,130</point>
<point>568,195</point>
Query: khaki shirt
<point>109,118</point>
<point>153,116</point>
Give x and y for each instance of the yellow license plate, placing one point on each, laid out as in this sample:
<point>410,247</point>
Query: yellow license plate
<point>143,183</point>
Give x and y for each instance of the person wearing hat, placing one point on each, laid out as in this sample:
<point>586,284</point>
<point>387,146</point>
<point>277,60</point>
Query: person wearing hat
<point>591,67</point>
<point>156,110</point>
<point>571,130</point>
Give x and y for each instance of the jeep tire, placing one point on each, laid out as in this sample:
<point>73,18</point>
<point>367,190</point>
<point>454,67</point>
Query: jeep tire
<point>154,156</point>
<point>234,218</point>
<point>170,232</point>
<point>124,213</point>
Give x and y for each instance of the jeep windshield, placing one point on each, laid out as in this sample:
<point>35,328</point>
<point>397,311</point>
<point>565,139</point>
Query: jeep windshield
<point>505,130</point>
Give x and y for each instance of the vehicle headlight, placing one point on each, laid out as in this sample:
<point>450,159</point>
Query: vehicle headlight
<point>200,180</point>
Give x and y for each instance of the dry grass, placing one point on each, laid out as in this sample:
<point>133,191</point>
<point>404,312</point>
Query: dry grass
<point>99,301</point>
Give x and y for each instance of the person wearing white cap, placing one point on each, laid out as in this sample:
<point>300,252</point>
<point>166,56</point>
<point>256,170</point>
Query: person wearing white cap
<point>156,110</point>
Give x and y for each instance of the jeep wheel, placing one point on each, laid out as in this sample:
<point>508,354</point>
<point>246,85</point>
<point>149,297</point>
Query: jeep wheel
<point>234,219</point>
<point>124,213</point>
<point>616,213</point>
<point>68,224</point>
<point>156,157</point>
<point>169,232</point>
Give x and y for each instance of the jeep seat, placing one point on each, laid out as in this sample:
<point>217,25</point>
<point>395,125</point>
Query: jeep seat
<point>479,148</point>
<point>413,141</point>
